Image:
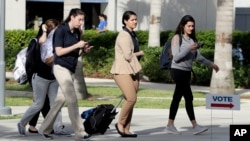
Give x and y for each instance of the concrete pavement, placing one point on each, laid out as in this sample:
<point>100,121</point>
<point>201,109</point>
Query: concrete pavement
<point>149,124</point>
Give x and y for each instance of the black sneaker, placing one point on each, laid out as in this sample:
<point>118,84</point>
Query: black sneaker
<point>47,137</point>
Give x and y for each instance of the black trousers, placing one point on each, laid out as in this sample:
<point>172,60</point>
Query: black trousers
<point>182,88</point>
<point>44,111</point>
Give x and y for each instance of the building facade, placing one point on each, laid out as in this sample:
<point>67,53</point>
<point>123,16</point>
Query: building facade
<point>20,14</point>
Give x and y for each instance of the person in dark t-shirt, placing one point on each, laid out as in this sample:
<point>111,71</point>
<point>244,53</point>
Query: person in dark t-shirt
<point>67,48</point>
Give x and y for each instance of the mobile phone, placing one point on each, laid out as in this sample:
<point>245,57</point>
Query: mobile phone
<point>200,44</point>
<point>90,42</point>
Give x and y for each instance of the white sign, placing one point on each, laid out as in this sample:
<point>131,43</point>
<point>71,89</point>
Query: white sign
<point>223,101</point>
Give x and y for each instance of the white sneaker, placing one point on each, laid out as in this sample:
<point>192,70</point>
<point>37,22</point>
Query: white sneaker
<point>84,138</point>
<point>62,133</point>
<point>199,129</point>
<point>172,130</point>
<point>21,129</point>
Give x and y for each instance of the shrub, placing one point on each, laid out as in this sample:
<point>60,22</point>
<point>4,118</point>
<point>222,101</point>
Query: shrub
<point>98,62</point>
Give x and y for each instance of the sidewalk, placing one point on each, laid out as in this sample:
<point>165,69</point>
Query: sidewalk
<point>149,124</point>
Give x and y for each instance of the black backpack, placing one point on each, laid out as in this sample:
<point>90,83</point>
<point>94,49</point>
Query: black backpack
<point>166,55</point>
<point>97,120</point>
<point>33,59</point>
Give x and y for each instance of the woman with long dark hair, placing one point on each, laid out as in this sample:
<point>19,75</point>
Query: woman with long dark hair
<point>183,57</point>
<point>68,47</point>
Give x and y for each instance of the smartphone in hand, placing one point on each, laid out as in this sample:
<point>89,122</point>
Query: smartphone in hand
<point>90,43</point>
<point>200,44</point>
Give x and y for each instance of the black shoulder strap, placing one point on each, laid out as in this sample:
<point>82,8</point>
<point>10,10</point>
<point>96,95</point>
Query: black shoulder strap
<point>194,76</point>
<point>180,40</point>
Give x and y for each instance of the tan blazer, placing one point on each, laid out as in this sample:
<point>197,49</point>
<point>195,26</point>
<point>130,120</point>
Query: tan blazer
<point>125,60</point>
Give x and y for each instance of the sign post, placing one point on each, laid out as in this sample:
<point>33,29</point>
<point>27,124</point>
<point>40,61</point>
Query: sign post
<point>225,102</point>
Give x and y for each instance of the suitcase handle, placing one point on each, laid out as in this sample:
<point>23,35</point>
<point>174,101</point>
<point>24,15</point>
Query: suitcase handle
<point>122,97</point>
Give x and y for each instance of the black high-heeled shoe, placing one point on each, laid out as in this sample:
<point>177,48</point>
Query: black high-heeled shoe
<point>32,131</point>
<point>129,135</point>
<point>118,131</point>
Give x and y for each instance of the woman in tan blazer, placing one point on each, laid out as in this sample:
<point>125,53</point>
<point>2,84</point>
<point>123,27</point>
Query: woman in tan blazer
<point>126,69</point>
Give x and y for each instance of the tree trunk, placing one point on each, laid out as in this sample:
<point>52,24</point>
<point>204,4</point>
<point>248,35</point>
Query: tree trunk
<point>223,81</point>
<point>79,83</point>
<point>154,26</point>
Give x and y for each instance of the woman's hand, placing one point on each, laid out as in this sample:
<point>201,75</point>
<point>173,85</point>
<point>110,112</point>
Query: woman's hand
<point>84,46</point>
<point>139,53</point>
<point>215,67</point>
<point>81,44</point>
<point>195,46</point>
<point>44,27</point>
<point>87,48</point>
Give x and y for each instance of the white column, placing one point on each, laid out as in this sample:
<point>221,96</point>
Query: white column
<point>3,110</point>
<point>112,15</point>
<point>68,5</point>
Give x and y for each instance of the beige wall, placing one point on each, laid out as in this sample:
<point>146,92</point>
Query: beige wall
<point>68,5</point>
<point>15,17</point>
<point>242,3</point>
<point>204,12</point>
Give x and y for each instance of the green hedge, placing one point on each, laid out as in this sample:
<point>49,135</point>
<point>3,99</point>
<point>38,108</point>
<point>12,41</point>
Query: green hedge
<point>15,40</point>
<point>98,62</point>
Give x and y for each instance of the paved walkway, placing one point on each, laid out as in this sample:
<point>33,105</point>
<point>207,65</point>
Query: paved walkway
<point>149,124</point>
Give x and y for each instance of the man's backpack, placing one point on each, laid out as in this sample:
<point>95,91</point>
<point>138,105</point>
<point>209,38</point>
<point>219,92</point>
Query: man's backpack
<point>33,59</point>
<point>166,55</point>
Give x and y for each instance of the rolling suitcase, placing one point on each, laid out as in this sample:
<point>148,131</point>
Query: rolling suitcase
<point>98,119</point>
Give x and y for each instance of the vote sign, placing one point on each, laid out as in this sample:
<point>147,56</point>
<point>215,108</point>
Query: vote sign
<point>223,101</point>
